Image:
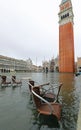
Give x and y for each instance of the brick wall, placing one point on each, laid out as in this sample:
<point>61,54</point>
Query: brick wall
<point>66,48</point>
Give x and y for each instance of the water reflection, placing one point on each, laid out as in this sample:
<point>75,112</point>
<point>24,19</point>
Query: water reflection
<point>17,105</point>
<point>69,101</point>
<point>41,122</point>
<point>45,122</point>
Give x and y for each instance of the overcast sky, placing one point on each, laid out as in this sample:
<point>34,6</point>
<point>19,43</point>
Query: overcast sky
<point>30,29</point>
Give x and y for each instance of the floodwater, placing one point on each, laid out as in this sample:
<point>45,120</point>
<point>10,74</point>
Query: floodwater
<point>17,111</point>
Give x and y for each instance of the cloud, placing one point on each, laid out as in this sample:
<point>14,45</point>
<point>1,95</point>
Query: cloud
<point>29,28</point>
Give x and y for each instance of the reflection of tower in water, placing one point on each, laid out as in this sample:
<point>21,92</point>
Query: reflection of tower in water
<point>69,99</point>
<point>68,81</point>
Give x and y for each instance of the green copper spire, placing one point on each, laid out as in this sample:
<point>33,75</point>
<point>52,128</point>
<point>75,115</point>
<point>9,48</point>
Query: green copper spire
<point>63,1</point>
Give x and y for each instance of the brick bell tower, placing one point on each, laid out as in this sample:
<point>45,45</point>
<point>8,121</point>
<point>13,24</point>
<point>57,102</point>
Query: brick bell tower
<point>66,37</point>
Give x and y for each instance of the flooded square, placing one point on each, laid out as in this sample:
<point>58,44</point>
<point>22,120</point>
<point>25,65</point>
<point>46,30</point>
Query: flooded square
<point>17,111</point>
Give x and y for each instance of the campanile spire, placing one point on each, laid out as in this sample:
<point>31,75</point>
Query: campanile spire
<point>66,37</point>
